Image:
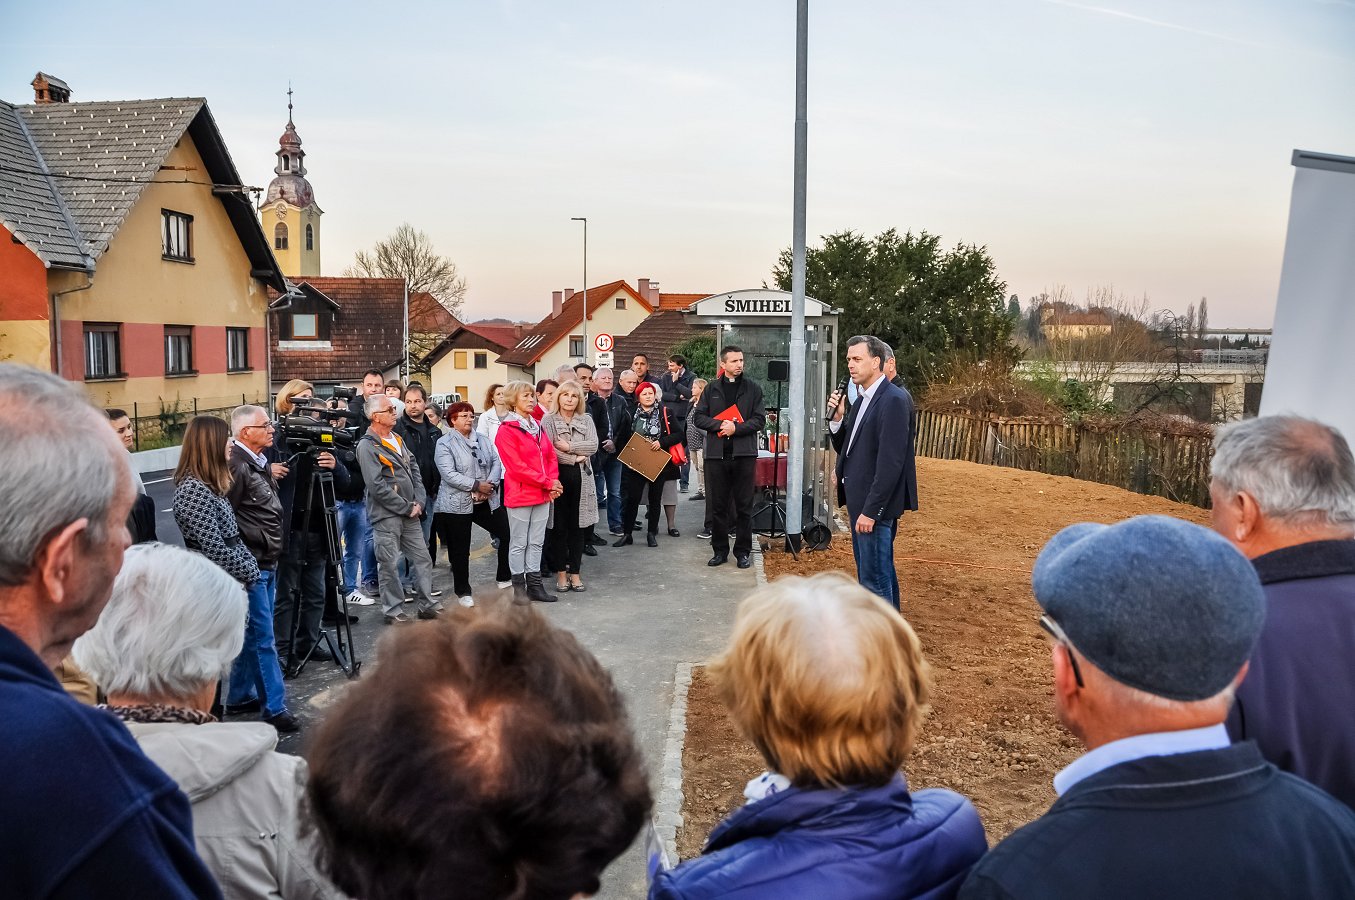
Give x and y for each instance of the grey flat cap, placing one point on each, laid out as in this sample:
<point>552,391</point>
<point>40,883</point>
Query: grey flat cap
<point>1156,603</point>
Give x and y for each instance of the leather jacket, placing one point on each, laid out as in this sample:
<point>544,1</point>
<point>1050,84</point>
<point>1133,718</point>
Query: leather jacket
<point>253,495</point>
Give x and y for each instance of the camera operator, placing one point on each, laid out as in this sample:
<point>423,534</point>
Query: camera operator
<point>421,437</point>
<point>302,567</point>
<point>359,542</point>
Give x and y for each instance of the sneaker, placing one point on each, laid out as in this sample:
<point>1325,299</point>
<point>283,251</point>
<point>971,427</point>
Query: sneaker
<point>618,531</point>
<point>470,601</point>
<point>682,488</point>
<point>503,585</point>
<point>705,534</point>
<point>697,496</point>
<point>435,593</point>
<point>358,598</point>
<point>399,619</point>
<point>371,590</point>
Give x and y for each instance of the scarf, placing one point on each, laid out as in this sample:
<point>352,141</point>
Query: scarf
<point>147,713</point>
<point>647,423</point>
<point>529,425</point>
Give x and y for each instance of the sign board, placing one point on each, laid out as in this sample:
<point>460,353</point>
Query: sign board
<point>604,359</point>
<point>603,342</point>
<point>755,302</point>
<point>638,455</point>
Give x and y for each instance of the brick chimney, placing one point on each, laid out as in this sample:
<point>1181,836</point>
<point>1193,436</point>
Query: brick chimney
<point>50,89</point>
<point>643,289</point>
<point>652,294</point>
<point>569,292</point>
<point>556,304</point>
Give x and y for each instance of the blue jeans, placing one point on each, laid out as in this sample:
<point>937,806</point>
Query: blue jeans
<point>874,555</point>
<point>257,672</point>
<point>357,539</point>
<point>611,471</point>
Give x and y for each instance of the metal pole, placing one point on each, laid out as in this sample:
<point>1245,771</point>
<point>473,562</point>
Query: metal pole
<point>406,329</point>
<point>795,465</point>
<point>584,220</point>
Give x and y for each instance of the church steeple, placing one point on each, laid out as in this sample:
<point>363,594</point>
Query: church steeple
<point>296,217</point>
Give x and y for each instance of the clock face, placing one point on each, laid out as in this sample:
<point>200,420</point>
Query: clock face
<point>282,211</point>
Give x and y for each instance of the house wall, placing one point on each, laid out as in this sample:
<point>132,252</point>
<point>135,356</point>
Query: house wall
<point>25,333</point>
<point>136,287</point>
<point>470,382</point>
<point>605,318</point>
<point>296,261</point>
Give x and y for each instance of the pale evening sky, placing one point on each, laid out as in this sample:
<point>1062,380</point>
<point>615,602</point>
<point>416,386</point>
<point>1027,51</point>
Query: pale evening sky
<point>1142,144</point>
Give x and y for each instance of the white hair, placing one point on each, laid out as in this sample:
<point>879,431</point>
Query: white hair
<point>373,403</point>
<point>173,625</point>
<point>1300,471</point>
<point>1125,695</point>
<point>243,416</point>
<point>630,372</point>
<point>564,373</point>
<point>59,462</point>
<point>601,370</point>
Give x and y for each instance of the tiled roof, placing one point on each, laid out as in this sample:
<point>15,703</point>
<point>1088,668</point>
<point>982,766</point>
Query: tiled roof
<point>551,329</point>
<point>679,301</point>
<point>30,205</point>
<point>123,141</point>
<point>656,337</point>
<point>428,316</point>
<point>367,331</point>
<point>500,337</point>
<point>497,339</point>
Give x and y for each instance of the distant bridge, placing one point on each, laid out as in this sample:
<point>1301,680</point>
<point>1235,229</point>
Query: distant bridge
<point>1225,387</point>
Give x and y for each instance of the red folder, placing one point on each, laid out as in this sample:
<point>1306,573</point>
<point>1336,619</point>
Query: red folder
<point>731,415</point>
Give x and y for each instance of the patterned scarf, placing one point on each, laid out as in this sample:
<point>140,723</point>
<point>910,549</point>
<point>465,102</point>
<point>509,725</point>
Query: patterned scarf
<point>149,713</point>
<point>647,423</point>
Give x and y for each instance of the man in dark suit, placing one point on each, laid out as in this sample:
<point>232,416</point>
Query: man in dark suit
<point>876,472</point>
<point>731,455</point>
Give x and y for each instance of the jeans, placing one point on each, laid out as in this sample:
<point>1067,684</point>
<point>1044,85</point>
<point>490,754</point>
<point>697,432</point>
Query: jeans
<point>874,553</point>
<point>526,533</point>
<point>611,472</point>
<point>357,539</point>
<point>396,535</point>
<point>256,672</point>
<point>426,523</point>
<point>685,473</point>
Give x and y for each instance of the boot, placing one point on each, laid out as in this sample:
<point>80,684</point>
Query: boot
<point>520,589</point>
<point>537,591</point>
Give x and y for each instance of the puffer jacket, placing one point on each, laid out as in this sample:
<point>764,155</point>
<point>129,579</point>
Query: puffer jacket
<point>245,805</point>
<point>859,843</point>
<point>460,468</point>
<point>529,464</point>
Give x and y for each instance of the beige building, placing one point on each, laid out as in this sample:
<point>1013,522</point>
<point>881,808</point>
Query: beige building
<point>468,361</point>
<point>613,309</point>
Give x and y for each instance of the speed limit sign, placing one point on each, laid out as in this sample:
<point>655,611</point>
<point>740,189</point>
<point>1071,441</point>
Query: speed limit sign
<point>603,342</point>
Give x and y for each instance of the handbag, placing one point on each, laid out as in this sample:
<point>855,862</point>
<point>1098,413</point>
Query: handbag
<point>677,452</point>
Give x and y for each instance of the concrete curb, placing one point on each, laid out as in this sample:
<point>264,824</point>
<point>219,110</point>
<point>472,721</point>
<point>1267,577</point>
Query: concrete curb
<point>759,569</point>
<point>668,809</point>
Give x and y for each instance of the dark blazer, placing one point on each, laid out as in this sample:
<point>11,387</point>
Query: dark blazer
<point>878,478</point>
<point>718,396</point>
<point>1216,823</point>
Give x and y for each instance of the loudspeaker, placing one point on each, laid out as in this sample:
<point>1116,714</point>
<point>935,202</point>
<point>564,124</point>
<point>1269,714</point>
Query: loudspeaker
<point>778,370</point>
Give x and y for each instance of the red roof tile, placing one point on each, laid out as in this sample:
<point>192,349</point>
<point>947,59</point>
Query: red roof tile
<point>656,337</point>
<point>551,329</point>
<point>679,301</point>
<point>366,331</point>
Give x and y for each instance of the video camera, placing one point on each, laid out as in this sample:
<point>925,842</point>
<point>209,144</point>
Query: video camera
<point>309,430</point>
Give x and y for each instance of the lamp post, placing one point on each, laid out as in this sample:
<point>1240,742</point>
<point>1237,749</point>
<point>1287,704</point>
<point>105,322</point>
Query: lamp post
<point>795,465</point>
<point>584,220</point>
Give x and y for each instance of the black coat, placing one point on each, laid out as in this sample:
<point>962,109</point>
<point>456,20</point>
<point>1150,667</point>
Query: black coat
<point>611,418</point>
<point>745,394</point>
<point>878,477</point>
<point>258,510</point>
<point>422,439</point>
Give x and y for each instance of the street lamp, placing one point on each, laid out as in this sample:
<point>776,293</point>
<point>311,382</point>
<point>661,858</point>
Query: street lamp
<point>584,220</point>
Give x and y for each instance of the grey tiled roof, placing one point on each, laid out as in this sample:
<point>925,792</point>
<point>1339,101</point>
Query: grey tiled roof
<point>124,141</point>
<point>29,205</point>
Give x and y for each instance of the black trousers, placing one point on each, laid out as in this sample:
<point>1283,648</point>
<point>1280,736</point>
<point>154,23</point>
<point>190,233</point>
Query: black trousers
<point>729,497</point>
<point>307,575</point>
<point>454,530</point>
<point>634,487</point>
<point>564,542</point>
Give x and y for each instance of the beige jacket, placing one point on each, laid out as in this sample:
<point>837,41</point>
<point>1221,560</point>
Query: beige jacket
<point>245,798</point>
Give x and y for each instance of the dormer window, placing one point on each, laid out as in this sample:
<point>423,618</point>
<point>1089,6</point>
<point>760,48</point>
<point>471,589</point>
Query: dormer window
<point>305,327</point>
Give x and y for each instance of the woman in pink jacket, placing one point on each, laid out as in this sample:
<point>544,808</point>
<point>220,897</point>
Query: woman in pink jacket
<point>531,481</point>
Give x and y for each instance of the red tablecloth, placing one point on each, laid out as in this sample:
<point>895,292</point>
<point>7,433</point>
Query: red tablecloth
<point>763,472</point>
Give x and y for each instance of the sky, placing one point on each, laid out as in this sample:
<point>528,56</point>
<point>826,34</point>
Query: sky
<point>1141,145</point>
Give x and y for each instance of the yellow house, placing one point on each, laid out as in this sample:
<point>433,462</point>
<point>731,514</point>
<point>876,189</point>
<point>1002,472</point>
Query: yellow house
<point>613,309</point>
<point>468,361</point>
<point>153,268</point>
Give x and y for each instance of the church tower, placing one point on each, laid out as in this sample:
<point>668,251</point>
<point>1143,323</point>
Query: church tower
<point>290,215</point>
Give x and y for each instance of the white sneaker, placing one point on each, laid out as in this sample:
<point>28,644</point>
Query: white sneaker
<point>357,598</point>
<point>468,601</point>
<point>435,593</point>
<point>503,585</point>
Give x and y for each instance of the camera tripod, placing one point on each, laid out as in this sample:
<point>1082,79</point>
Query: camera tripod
<point>340,643</point>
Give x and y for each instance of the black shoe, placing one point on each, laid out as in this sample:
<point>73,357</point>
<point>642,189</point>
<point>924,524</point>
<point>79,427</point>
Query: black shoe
<point>588,550</point>
<point>651,539</point>
<point>284,722</point>
<point>744,560</point>
<point>618,531</point>
<point>624,542</point>
<point>240,709</point>
<point>333,622</point>
<point>697,496</point>
<point>635,528</point>
<point>537,591</point>
<point>718,559</point>
<point>430,614</point>
<point>520,589</point>
<point>705,534</point>
<point>673,532</point>
<point>320,654</point>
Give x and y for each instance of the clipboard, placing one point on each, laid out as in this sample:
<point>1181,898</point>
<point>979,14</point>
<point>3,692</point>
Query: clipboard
<point>637,455</point>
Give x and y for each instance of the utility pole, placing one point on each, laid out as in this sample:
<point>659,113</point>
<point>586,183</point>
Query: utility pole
<point>584,220</point>
<point>795,465</point>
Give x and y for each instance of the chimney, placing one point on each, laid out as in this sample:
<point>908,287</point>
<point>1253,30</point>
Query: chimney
<point>652,295</point>
<point>643,290</point>
<point>569,292</point>
<point>555,304</point>
<point>50,89</point>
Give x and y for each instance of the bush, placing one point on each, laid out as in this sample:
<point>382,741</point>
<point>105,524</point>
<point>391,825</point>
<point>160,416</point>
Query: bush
<point>699,351</point>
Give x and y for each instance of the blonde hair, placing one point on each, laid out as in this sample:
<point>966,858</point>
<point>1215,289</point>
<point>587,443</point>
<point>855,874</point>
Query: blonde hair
<point>515,389</point>
<point>283,404</point>
<point>826,680</point>
<point>574,388</point>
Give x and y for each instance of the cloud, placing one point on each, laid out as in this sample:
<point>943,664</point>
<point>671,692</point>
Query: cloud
<point>1158,23</point>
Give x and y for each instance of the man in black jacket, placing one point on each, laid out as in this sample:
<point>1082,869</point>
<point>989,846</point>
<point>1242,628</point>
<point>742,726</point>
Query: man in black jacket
<point>611,418</point>
<point>730,412</point>
<point>1152,622</point>
<point>675,389</point>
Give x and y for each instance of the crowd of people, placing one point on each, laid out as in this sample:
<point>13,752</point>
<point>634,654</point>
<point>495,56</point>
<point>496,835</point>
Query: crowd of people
<point>1205,672</point>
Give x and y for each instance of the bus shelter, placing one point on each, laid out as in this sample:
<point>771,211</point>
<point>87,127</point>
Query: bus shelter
<point>758,320</point>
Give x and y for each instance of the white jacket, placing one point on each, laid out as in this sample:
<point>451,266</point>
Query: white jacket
<point>245,798</point>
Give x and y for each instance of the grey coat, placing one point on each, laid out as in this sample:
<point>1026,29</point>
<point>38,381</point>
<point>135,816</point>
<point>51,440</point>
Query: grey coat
<point>393,481</point>
<point>582,435</point>
<point>461,468</point>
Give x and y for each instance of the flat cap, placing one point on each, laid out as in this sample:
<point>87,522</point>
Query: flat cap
<point>1156,603</point>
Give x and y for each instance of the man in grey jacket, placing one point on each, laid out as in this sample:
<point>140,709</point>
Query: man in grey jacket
<point>395,500</point>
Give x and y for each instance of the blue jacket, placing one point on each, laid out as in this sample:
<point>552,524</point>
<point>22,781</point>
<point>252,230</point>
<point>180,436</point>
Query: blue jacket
<point>83,812</point>
<point>854,844</point>
<point>878,476</point>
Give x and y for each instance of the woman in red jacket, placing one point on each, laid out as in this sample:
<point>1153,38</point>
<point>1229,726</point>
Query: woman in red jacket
<point>531,481</point>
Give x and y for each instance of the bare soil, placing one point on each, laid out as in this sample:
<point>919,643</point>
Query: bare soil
<point>964,567</point>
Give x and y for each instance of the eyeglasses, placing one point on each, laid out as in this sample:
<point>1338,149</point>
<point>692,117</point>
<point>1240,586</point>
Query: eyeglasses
<point>1058,634</point>
<point>267,425</point>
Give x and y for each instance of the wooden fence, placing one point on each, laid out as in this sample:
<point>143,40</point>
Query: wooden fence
<point>1175,466</point>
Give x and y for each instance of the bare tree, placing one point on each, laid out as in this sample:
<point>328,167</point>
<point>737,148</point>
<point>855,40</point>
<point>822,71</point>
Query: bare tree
<point>1092,340</point>
<point>408,253</point>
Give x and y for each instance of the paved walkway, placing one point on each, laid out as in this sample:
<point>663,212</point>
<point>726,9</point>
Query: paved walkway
<point>646,611</point>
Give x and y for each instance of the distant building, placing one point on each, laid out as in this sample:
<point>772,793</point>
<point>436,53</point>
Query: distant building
<point>329,331</point>
<point>131,259</point>
<point>469,359</point>
<point>291,217</point>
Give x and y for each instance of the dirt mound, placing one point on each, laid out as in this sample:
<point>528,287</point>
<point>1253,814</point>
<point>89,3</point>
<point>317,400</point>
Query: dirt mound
<point>964,567</point>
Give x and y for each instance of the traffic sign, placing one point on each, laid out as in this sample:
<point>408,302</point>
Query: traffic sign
<point>603,342</point>
<point>605,358</point>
